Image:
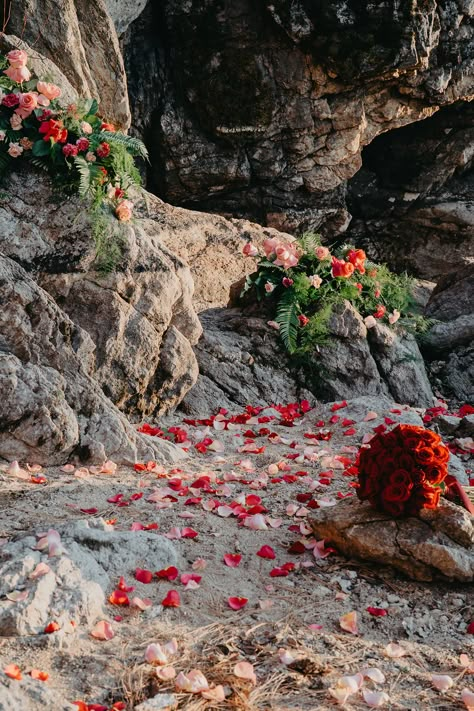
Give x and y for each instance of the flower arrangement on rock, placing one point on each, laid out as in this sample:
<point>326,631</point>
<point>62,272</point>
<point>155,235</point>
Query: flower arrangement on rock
<point>82,152</point>
<point>403,471</point>
<point>304,281</point>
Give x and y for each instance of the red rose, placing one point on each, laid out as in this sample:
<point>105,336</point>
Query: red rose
<point>435,474</point>
<point>70,150</point>
<point>103,150</point>
<point>53,130</point>
<point>357,257</point>
<point>380,313</point>
<point>107,127</point>
<point>395,508</point>
<point>424,455</point>
<point>83,144</point>
<point>441,454</point>
<point>303,319</point>
<point>400,476</point>
<point>11,100</point>
<point>397,492</point>
<point>406,462</point>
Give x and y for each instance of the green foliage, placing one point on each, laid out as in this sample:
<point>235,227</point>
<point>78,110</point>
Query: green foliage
<point>304,294</point>
<point>83,155</point>
<point>287,318</point>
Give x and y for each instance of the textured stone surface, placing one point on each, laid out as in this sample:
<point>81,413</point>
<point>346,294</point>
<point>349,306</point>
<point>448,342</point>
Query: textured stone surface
<point>264,108</point>
<point>439,544</point>
<point>140,317</point>
<point>76,585</point>
<point>81,40</point>
<point>241,360</point>
<point>30,695</point>
<point>449,345</point>
<point>124,12</point>
<point>51,406</point>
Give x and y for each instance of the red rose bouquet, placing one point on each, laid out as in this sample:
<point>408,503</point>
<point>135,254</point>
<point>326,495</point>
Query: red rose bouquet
<point>403,471</point>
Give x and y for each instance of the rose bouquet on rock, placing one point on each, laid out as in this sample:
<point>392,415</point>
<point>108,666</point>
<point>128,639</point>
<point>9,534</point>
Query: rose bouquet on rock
<point>303,281</point>
<point>82,152</point>
<point>403,471</point>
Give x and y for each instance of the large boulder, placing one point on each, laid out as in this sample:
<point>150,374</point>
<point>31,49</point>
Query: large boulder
<point>241,360</point>
<point>438,544</point>
<point>81,40</point>
<point>263,109</point>
<point>139,316</point>
<point>51,405</point>
<point>449,345</point>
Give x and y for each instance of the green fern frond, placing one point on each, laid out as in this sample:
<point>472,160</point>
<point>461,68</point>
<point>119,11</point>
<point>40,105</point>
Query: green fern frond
<point>132,144</point>
<point>40,163</point>
<point>309,241</point>
<point>85,176</point>
<point>287,318</point>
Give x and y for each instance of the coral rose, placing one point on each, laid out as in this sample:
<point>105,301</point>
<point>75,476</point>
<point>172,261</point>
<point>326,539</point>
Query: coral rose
<point>357,257</point>
<point>322,253</point>
<point>315,281</point>
<point>380,313</point>
<point>18,74</point>
<point>341,268</point>
<point>26,104</point>
<point>17,58</point>
<point>107,127</point>
<point>50,91</point>
<point>26,143</point>
<point>124,210</point>
<point>304,320</point>
<point>86,127</point>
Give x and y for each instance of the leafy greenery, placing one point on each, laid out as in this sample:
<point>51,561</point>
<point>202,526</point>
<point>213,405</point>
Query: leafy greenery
<point>303,282</point>
<point>82,153</point>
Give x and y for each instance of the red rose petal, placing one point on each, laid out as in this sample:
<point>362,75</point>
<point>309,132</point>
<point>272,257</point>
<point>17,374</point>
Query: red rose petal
<point>237,603</point>
<point>172,599</point>
<point>266,552</point>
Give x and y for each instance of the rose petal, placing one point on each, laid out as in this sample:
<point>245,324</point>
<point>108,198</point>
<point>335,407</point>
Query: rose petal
<point>232,560</point>
<point>441,682</point>
<point>395,651</point>
<point>237,603</point>
<point>374,699</point>
<point>165,673</point>
<point>245,670</point>
<point>348,622</point>
<point>468,699</point>
<point>103,630</point>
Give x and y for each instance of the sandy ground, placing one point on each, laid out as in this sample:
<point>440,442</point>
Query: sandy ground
<point>428,620</point>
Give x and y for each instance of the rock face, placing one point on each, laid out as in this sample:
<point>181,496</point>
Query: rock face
<point>76,584</point>
<point>241,360</point>
<point>449,345</point>
<point>264,109</point>
<point>51,406</point>
<point>139,317</point>
<point>439,544</point>
<point>30,695</point>
<point>82,42</point>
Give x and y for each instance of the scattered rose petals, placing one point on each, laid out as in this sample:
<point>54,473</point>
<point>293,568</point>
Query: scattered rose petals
<point>348,622</point>
<point>217,693</point>
<point>170,573</point>
<point>41,569</point>
<point>232,560</point>
<point>256,522</point>
<point>237,603</point>
<point>374,674</point>
<point>395,651</point>
<point>377,611</point>
<point>467,697</point>
<point>165,673</point>
<point>285,656</point>
<point>199,564</point>
<point>39,675</point>
<point>13,671</point>
<point>375,699</point>
<point>143,576</point>
<point>17,596</point>
<point>172,599</point>
<point>141,604</point>
<point>441,682</point>
<point>194,682</point>
<point>245,670</point>
<point>103,630</point>
<point>51,627</point>
<point>266,552</point>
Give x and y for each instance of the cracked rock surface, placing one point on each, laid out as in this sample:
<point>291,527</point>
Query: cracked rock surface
<point>439,544</point>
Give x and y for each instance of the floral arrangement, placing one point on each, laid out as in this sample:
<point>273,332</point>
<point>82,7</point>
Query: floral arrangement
<point>83,153</point>
<point>304,280</point>
<point>403,471</point>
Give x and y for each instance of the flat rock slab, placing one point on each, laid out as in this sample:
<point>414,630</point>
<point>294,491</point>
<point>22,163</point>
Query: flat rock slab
<point>438,545</point>
<point>75,588</point>
<point>30,695</point>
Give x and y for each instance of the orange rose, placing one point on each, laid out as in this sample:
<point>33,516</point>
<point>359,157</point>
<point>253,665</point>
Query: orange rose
<point>357,257</point>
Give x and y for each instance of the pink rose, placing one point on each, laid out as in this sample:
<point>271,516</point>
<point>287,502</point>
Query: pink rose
<point>26,143</point>
<point>17,58</point>
<point>15,122</point>
<point>42,100</point>
<point>50,91</point>
<point>124,210</point>
<point>18,74</point>
<point>15,150</point>
<point>370,322</point>
<point>82,144</point>
<point>269,246</point>
<point>269,287</point>
<point>90,157</point>
<point>393,317</point>
<point>250,250</point>
<point>86,127</point>
<point>286,256</point>
<point>287,282</point>
<point>28,102</point>
<point>322,252</point>
<point>316,281</point>
<point>70,150</point>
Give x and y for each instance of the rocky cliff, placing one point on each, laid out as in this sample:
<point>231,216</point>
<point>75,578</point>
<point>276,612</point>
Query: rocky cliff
<point>264,110</point>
